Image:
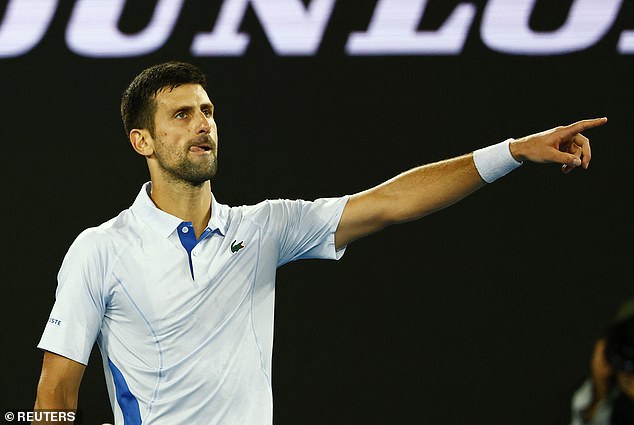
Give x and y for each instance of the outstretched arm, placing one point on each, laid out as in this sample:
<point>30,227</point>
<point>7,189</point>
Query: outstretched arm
<point>428,188</point>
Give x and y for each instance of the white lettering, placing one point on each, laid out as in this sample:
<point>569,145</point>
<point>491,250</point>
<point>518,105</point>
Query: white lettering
<point>393,30</point>
<point>296,27</point>
<point>291,28</point>
<point>505,27</point>
<point>92,29</point>
<point>46,415</point>
<point>24,25</point>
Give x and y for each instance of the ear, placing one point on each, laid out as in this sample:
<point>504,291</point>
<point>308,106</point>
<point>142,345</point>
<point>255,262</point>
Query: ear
<point>142,141</point>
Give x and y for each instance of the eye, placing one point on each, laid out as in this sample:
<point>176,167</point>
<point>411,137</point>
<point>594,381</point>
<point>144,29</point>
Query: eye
<point>181,115</point>
<point>208,112</point>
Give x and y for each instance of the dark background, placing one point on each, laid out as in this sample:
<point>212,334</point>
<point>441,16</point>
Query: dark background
<point>484,313</point>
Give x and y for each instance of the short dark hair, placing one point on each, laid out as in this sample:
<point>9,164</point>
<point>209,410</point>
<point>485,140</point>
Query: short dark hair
<point>138,103</point>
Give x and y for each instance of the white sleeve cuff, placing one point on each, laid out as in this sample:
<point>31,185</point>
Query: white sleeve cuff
<point>495,161</point>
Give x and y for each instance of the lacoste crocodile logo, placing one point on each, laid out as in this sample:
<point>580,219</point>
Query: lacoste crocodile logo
<point>235,247</point>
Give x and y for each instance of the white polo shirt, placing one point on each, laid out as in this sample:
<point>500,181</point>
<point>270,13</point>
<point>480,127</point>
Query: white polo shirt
<point>185,338</point>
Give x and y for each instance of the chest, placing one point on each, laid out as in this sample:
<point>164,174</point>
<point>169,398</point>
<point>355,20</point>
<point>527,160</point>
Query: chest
<point>157,282</point>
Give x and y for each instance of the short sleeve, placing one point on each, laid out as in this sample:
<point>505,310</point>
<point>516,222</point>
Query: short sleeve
<point>307,228</point>
<point>79,307</point>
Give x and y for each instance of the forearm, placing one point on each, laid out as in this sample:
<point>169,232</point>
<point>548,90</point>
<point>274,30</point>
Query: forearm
<point>435,186</point>
<point>423,190</point>
<point>408,196</point>
<point>58,387</point>
<point>54,400</point>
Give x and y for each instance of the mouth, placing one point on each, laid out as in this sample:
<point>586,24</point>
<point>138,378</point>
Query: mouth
<point>203,145</point>
<point>200,149</point>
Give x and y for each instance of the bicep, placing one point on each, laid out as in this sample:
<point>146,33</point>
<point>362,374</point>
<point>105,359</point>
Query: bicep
<point>59,382</point>
<point>363,214</point>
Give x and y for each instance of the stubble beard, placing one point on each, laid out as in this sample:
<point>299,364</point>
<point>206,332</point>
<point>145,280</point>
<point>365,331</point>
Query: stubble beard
<point>186,170</point>
<point>196,174</point>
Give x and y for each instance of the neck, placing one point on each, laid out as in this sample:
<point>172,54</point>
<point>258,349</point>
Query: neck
<point>185,201</point>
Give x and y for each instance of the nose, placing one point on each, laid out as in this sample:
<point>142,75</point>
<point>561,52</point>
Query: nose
<point>204,124</point>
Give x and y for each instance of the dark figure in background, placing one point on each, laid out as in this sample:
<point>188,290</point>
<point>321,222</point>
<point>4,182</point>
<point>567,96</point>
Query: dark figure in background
<point>607,397</point>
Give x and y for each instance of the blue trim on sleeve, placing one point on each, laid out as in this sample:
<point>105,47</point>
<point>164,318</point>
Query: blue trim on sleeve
<point>127,401</point>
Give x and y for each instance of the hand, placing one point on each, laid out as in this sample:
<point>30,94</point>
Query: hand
<point>564,145</point>
<point>601,371</point>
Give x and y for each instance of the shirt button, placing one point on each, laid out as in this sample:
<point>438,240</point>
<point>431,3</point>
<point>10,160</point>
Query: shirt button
<point>195,253</point>
<point>185,229</point>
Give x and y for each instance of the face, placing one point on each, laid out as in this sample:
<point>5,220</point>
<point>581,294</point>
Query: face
<point>185,139</point>
<point>626,383</point>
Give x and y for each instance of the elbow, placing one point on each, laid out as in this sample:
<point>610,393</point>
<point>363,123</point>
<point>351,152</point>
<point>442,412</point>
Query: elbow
<point>395,207</point>
<point>401,212</point>
<point>55,397</point>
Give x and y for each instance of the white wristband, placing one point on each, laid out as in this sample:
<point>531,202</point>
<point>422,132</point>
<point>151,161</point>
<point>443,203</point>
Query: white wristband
<point>495,161</point>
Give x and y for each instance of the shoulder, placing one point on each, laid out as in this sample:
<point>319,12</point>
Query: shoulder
<point>273,211</point>
<point>110,236</point>
<point>273,206</point>
<point>260,209</point>
<point>268,210</point>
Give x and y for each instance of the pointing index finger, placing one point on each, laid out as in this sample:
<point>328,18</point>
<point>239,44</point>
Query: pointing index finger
<point>584,125</point>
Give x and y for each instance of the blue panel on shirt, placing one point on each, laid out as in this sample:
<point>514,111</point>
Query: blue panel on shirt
<point>127,401</point>
<point>188,239</point>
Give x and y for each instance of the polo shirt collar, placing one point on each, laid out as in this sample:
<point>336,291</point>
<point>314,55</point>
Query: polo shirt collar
<point>165,224</point>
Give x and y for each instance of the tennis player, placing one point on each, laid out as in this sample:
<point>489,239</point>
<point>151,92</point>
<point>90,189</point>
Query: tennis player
<point>178,290</point>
